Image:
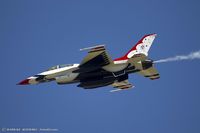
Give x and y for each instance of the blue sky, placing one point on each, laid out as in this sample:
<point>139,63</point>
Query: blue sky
<point>38,34</point>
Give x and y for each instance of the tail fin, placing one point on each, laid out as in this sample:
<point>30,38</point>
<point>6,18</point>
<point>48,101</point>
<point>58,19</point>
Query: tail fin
<point>142,47</point>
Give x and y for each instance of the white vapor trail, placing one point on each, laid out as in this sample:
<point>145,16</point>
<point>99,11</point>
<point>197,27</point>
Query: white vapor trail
<point>191,56</point>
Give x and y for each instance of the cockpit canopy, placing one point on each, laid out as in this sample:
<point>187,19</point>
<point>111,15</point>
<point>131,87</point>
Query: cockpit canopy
<point>60,66</point>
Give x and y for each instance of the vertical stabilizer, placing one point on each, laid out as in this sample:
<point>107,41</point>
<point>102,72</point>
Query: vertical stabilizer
<point>141,47</point>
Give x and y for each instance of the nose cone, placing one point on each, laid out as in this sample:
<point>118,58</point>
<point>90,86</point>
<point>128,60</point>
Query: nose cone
<point>24,82</point>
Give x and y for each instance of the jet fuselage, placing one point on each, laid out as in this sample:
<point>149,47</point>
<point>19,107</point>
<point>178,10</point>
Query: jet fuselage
<point>97,69</point>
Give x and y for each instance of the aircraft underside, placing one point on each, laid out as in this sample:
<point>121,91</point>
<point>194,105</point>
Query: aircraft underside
<point>101,78</point>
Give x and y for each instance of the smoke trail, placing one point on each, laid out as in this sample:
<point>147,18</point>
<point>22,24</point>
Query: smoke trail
<point>191,56</point>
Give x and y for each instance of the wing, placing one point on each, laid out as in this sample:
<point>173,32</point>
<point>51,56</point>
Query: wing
<point>122,85</point>
<point>97,57</point>
<point>151,73</point>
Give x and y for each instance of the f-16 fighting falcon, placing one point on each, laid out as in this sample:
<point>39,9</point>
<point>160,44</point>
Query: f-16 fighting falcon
<point>97,69</point>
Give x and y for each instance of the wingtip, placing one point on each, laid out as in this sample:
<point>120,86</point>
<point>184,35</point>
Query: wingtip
<point>115,90</point>
<point>97,46</point>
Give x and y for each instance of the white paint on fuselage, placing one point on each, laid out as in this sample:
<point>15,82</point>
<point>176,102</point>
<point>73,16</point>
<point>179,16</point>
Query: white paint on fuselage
<point>68,78</point>
<point>59,71</point>
<point>52,74</point>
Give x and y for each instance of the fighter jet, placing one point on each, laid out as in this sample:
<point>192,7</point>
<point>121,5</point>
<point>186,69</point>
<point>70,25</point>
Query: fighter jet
<point>97,69</point>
